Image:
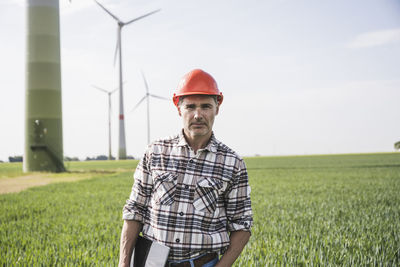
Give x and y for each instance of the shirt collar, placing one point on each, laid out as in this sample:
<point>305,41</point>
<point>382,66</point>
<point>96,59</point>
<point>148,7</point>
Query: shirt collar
<point>182,140</point>
<point>211,146</point>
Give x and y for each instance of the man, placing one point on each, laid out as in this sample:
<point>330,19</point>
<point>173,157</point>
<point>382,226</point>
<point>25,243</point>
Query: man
<point>191,192</point>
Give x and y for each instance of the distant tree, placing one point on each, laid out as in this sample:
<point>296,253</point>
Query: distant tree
<point>397,145</point>
<point>71,159</point>
<point>102,157</point>
<point>15,159</point>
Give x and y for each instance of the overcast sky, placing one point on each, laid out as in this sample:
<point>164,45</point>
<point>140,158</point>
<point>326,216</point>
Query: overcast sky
<point>299,77</point>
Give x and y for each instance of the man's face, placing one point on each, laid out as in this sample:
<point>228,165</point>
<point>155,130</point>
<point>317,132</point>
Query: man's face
<point>198,113</point>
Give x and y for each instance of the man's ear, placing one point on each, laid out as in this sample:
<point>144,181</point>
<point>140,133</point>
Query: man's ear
<point>217,110</point>
<point>179,110</point>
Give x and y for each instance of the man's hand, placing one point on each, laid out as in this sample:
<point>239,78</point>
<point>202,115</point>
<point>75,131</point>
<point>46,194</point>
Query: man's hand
<point>129,234</point>
<point>238,240</point>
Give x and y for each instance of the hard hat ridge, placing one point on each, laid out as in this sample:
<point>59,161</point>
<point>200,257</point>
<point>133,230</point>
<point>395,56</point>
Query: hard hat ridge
<point>197,82</point>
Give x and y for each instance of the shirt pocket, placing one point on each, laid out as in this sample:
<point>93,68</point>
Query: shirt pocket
<point>165,188</point>
<point>206,194</point>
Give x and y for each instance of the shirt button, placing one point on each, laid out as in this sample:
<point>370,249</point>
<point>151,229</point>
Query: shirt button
<point>181,213</point>
<point>178,240</point>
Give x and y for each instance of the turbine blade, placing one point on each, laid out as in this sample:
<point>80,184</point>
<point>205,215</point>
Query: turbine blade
<point>145,83</point>
<point>117,45</point>
<point>140,102</point>
<point>106,10</point>
<point>113,91</point>
<point>159,97</point>
<point>141,17</point>
<point>101,89</point>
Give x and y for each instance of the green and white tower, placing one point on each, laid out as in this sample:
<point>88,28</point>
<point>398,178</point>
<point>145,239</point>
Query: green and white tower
<point>43,105</point>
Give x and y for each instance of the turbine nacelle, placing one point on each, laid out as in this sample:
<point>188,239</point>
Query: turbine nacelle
<point>120,22</point>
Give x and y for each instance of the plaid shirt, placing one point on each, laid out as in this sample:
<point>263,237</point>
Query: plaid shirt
<point>190,202</point>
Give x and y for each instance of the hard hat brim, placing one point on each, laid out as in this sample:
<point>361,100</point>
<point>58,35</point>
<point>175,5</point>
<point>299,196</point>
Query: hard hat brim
<point>175,98</point>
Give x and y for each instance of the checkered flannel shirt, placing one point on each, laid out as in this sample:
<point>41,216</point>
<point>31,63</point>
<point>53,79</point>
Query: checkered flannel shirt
<point>190,202</point>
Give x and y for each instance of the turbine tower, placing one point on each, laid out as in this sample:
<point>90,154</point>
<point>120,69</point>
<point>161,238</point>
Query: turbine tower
<point>109,93</point>
<point>43,149</point>
<point>147,97</point>
<point>122,143</point>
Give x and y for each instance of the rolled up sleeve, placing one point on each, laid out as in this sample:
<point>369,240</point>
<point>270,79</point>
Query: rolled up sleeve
<point>136,207</point>
<point>238,203</point>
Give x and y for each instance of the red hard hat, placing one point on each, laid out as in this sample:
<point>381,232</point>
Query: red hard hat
<point>197,82</point>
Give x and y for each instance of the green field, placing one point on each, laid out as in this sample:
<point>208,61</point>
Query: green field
<point>331,210</point>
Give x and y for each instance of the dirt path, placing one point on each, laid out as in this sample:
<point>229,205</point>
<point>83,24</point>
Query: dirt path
<point>17,184</point>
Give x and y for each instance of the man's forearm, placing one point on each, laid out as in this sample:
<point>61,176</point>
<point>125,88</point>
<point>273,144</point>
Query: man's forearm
<point>129,234</point>
<point>238,240</point>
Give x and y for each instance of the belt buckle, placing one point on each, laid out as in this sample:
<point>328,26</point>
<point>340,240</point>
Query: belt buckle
<point>172,264</point>
<point>205,258</point>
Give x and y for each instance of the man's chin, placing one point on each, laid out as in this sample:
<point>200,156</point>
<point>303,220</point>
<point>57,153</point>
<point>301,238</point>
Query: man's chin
<point>198,132</point>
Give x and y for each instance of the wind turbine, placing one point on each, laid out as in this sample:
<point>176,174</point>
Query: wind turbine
<point>147,97</point>
<point>109,93</point>
<point>122,143</point>
<point>43,149</point>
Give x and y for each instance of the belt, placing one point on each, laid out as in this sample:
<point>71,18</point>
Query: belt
<point>197,262</point>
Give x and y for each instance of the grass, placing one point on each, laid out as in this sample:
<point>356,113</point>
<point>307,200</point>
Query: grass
<point>71,224</point>
<point>331,210</point>
<point>325,211</point>
<point>10,169</point>
<point>14,169</point>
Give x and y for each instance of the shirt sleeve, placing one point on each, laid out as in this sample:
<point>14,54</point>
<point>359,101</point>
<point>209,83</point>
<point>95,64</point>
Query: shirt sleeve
<point>136,207</point>
<point>238,203</point>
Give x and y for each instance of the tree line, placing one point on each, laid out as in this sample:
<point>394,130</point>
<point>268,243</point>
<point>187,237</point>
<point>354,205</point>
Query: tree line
<point>100,157</point>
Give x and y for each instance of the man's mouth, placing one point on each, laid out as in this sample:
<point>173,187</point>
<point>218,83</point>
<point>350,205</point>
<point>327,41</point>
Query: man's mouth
<point>198,124</point>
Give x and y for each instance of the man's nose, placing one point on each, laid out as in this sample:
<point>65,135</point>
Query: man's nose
<point>197,114</point>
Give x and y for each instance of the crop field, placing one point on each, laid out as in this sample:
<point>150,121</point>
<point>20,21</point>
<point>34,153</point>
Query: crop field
<point>329,210</point>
